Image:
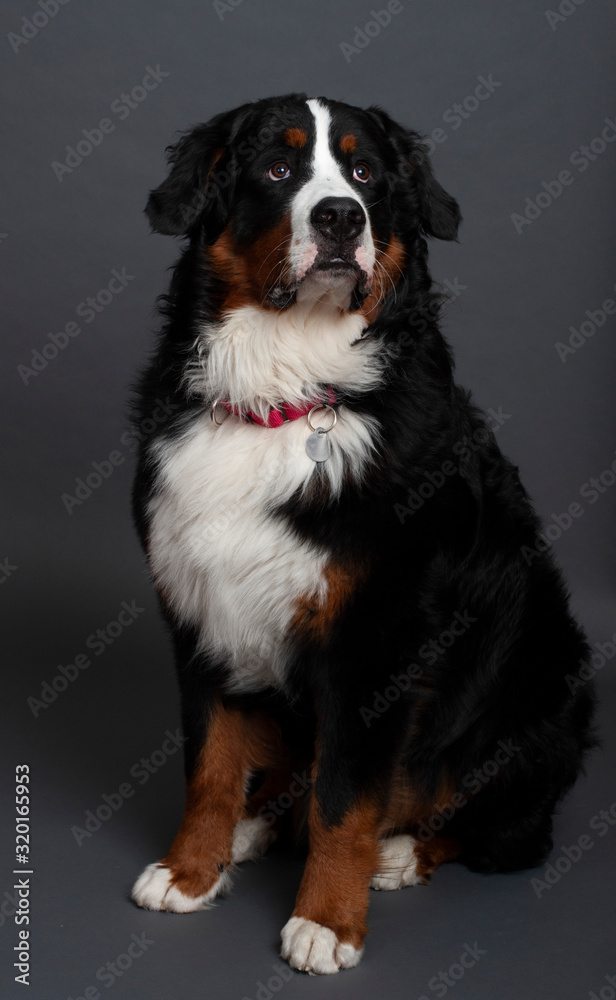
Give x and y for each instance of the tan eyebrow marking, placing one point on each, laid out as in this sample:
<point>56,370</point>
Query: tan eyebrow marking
<point>348,143</point>
<point>295,137</point>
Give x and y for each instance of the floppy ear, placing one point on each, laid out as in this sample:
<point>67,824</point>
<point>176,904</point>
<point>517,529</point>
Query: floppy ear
<point>439,213</point>
<point>195,191</point>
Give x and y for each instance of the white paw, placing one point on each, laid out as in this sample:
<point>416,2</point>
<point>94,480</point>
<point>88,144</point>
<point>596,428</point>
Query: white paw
<point>310,947</point>
<point>251,839</point>
<point>398,864</point>
<point>153,891</point>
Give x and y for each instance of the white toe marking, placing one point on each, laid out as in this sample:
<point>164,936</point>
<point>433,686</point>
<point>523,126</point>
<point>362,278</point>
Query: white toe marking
<point>398,864</point>
<point>153,891</point>
<point>310,947</point>
<point>251,839</point>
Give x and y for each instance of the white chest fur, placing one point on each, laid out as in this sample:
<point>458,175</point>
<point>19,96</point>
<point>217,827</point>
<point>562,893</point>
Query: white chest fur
<point>256,358</point>
<point>225,564</point>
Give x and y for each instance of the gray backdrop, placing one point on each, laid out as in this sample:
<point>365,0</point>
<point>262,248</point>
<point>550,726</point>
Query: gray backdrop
<point>510,95</point>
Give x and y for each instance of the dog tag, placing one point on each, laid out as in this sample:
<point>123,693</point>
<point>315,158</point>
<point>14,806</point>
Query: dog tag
<point>318,447</point>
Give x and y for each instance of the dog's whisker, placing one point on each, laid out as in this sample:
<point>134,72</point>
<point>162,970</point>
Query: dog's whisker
<point>287,240</point>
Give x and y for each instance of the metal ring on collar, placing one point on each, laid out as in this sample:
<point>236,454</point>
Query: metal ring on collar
<point>213,414</point>
<point>323,406</point>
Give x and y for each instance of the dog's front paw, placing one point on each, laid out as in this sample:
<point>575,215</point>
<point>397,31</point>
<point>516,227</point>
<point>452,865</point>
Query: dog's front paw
<point>310,947</point>
<point>154,890</point>
<point>398,864</point>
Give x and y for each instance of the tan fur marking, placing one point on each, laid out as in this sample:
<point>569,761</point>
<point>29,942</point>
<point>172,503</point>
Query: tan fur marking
<point>237,742</point>
<point>217,155</point>
<point>335,888</point>
<point>407,807</point>
<point>388,268</point>
<point>230,267</point>
<point>250,271</point>
<point>295,137</point>
<point>315,619</point>
<point>433,853</point>
<point>348,143</point>
<point>409,812</point>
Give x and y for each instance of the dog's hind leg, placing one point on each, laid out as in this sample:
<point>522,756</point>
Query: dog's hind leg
<point>404,860</point>
<point>266,810</point>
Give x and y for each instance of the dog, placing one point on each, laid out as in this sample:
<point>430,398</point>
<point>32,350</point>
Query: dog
<point>372,641</point>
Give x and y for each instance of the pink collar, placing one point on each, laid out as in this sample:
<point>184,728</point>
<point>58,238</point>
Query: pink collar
<point>281,415</point>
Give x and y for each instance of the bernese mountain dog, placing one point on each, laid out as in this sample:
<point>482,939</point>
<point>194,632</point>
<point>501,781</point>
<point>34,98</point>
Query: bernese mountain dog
<point>373,643</point>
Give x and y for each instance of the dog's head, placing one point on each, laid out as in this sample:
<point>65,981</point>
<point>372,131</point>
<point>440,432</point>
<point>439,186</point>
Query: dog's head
<point>290,196</point>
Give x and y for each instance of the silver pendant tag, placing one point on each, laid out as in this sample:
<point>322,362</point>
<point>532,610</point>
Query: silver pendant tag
<point>318,447</point>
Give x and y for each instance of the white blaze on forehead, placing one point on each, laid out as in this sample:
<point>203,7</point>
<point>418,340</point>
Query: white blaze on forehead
<point>326,181</point>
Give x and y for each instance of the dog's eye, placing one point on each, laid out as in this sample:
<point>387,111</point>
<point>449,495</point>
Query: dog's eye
<point>279,171</point>
<point>362,172</point>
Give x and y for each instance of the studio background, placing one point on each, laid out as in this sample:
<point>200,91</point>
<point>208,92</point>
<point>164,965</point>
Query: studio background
<point>510,95</point>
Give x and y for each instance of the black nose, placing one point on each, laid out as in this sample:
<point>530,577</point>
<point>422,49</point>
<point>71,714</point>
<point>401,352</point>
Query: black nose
<point>340,219</point>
